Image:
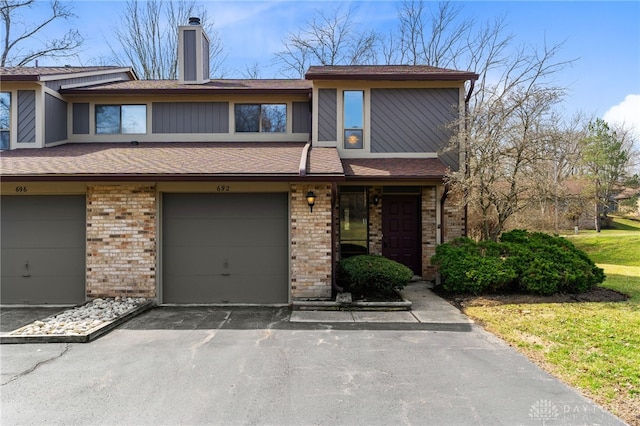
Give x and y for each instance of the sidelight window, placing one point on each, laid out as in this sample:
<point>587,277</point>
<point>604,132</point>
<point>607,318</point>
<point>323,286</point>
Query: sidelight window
<point>354,218</point>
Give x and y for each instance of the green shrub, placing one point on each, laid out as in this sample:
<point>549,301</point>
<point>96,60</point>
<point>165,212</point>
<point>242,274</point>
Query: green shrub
<point>535,263</point>
<point>470,267</point>
<point>372,274</point>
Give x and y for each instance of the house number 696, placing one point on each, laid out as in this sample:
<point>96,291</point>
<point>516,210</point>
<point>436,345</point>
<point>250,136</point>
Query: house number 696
<point>21,189</point>
<point>223,188</point>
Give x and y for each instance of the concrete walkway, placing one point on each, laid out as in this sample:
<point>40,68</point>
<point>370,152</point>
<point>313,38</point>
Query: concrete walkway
<point>426,308</point>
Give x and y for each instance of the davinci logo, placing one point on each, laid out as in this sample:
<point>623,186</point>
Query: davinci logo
<point>544,411</point>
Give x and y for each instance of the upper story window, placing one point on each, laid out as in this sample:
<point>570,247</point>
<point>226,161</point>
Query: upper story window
<point>124,119</point>
<point>5,119</point>
<point>261,118</point>
<point>353,120</point>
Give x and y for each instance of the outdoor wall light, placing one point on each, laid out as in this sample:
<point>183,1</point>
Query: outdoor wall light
<point>376,200</point>
<point>311,200</point>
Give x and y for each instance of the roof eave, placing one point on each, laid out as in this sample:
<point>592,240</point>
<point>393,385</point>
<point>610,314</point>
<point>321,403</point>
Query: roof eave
<point>199,91</point>
<point>281,177</point>
<point>394,77</point>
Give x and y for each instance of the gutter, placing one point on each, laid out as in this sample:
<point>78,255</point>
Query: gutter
<point>467,172</point>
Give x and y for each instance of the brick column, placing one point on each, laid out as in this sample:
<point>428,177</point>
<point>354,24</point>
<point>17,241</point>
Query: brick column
<point>453,217</point>
<point>121,241</point>
<point>311,243</point>
<point>429,230</point>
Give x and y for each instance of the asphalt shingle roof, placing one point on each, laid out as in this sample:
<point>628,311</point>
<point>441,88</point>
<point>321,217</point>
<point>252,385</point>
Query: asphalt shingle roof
<point>171,158</point>
<point>386,72</point>
<point>398,168</point>
<point>35,73</point>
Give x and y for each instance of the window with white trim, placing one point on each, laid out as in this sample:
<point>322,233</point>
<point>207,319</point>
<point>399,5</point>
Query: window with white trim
<point>261,118</point>
<point>353,119</point>
<point>5,119</point>
<point>121,119</point>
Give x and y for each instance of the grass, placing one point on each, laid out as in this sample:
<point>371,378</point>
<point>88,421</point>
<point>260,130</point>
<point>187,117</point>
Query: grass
<point>594,347</point>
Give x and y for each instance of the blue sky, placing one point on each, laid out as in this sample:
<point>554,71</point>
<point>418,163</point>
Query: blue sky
<point>603,37</point>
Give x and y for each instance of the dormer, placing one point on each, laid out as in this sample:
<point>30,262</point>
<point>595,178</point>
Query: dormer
<point>193,53</point>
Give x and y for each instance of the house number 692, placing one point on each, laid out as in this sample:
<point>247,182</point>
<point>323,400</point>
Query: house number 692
<point>223,188</point>
<point>21,189</point>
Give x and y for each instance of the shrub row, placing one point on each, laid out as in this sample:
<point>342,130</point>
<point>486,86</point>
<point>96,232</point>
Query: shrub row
<point>528,262</point>
<point>372,274</point>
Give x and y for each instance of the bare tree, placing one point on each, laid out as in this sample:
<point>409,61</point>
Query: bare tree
<point>330,38</point>
<point>19,27</point>
<point>148,37</point>
<point>508,125</point>
<point>428,34</point>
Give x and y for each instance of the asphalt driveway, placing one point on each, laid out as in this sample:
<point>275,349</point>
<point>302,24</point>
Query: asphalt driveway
<point>255,366</point>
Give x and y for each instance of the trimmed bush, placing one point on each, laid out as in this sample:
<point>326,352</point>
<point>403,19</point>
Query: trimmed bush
<point>372,274</point>
<point>534,263</point>
<point>470,267</point>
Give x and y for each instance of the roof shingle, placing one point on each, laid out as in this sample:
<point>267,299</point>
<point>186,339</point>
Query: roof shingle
<point>398,168</point>
<point>170,158</point>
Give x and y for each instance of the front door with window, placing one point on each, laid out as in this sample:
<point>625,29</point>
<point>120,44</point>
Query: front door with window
<point>401,230</point>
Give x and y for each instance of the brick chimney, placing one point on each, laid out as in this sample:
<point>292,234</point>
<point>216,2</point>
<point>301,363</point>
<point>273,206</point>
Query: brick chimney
<point>193,53</point>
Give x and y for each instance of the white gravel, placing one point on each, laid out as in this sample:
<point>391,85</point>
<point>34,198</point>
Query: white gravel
<point>83,319</point>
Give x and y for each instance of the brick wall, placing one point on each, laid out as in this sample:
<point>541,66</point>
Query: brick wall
<point>375,221</point>
<point>121,241</point>
<point>311,243</point>
<point>453,217</point>
<point>429,230</point>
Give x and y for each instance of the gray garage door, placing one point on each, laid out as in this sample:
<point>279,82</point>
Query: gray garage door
<point>225,248</point>
<point>43,249</point>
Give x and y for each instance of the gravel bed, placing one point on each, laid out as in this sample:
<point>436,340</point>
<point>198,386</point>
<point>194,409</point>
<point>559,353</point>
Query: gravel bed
<point>83,319</point>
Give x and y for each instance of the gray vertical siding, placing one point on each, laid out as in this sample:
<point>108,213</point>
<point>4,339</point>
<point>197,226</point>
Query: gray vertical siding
<point>327,115</point>
<point>26,115</point>
<point>189,46</point>
<point>80,118</point>
<point>205,58</point>
<point>300,117</point>
<point>190,117</point>
<point>55,119</point>
<point>411,120</point>
<point>55,84</point>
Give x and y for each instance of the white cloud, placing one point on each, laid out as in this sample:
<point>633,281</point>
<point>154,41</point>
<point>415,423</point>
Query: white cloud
<point>626,113</point>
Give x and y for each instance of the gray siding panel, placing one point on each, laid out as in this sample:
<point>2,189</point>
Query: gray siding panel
<point>300,117</point>
<point>80,118</point>
<point>55,119</point>
<point>190,117</point>
<point>26,115</point>
<point>327,115</point>
<point>88,80</point>
<point>43,249</point>
<point>411,120</point>
<point>189,46</point>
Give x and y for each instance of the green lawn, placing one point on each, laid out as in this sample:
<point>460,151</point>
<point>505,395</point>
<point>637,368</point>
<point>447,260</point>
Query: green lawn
<point>595,347</point>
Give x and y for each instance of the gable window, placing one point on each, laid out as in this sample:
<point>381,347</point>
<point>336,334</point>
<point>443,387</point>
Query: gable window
<point>261,118</point>
<point>5,119</point>
<point>121,119</point>
<point>353,119</point>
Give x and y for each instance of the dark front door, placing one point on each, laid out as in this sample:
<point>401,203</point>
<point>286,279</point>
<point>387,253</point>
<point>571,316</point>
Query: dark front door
<point>401,230</point>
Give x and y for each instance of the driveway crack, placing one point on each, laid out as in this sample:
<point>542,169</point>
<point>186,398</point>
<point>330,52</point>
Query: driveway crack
<point>37,365</point>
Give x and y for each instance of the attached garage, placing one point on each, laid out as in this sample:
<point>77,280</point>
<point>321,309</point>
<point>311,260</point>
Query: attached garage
<point>43,249</point>
<point>225,248</point>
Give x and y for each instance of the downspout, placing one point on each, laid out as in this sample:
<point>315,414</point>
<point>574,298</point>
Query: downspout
<point>442,215</point>
<point>467,172</point>
<point>334,261</point>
